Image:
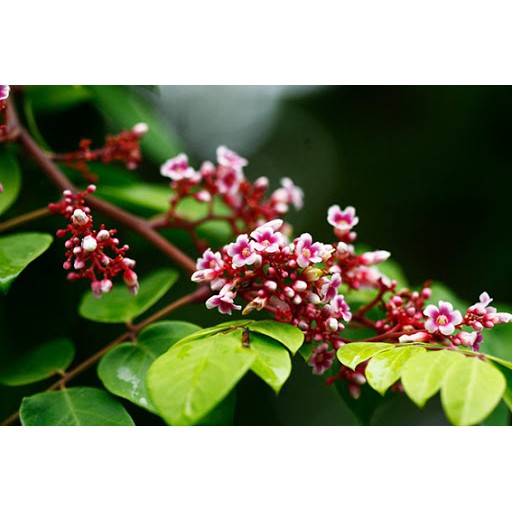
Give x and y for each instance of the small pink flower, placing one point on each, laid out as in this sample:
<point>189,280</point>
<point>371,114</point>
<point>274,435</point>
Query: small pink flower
<point>329,288</point>
<point>243,252</point>
<point>266,239</point>
<point>321,358</point>
<point>228,179</point>
<point>341,308</point>
<point>228,158</point>
<point>306,251</point>
<point>374,258</point>
<point>4,92</point>
<point>342,220</point>
<point>177,169</point>
<point>443,319</point>
<point>208,267</point>
<point>419,336</point>
<point>223,301</point>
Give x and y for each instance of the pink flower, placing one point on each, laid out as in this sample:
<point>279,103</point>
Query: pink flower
<point>306,251</point>
<point>321,359</point>
<point>229,179</point>
<point>482,315</point>
<point>442,319</point>
<point>4,92</point>
<point>228,158</point>
<point>266,239</point>
<point>224,301</point>
<point>177,169</point>
<point>341,308</point>
<point>242,251</point>
<point>208,266</point>
<point>374,258</point>
<point>330,287</point>
<point>419,336</point>
<point>342,220</point>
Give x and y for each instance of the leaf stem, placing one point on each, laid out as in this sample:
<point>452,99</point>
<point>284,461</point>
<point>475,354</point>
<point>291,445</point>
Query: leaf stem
<point>196,296</point>
<point>26,217</point>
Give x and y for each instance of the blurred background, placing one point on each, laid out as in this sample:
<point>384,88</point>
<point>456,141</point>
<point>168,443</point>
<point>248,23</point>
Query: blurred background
<point>428,170</point>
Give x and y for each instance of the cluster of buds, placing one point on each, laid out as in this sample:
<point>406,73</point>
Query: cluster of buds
<point>124,148</point>
<point>246,201</point>
<point>297,282</point>
<point>91,254</point>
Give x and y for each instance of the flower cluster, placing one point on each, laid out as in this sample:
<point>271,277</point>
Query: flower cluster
<point>124,147</point>
<point>246,202</point>
<point>91,254</point>
<point>297,282</point>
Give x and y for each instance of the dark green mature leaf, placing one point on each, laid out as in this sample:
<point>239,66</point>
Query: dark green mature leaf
<point>125,109</point>
<point>500,417</point>
<point>189,380</point>
<point>10,178</point>
<point>423,374</point>
<point>39,364</point>
<point>290,336</point>
<point>471,390</point>
<point>16,252</point>
<point>73,407</point>
<point>385,368</point>
<point>356,353</point>
<point>272,363</point>
<point>120,305</point>
<point>56,97</point>
<point>123,370</point>
<point>148,196</point>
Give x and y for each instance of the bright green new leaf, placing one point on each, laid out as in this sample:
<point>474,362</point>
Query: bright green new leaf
<point>471,390</point>
<point>423,374</point>
<point>189,380</point>
<point>385,368</point>
<point>353,354</point>
<point>222,414</point>
<point>38,364</point>
<point>272,363</point>
<point>10,178</point>
<point>224,327</point>
<point>123,370</point>
<point>120,305</point>
<point>125,108</point>
<point>16,252</point>
<point>290,336</point>
<point>73,407</point>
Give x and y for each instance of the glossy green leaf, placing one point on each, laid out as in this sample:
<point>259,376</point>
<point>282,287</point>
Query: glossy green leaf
<point>189,380</point>
<point>208,332</point>
<point>500,417</point>
<point>125,108</point>
<point>147,196</point>
<point>73,407</point>
<point>272,363</point>
<point>16,252</point>
<point>120,305</point>
<point>423,374</point>
<point>290,336</point>
<point>56,97</point>
<point>10,178</point>
<point>38,364</point>
<point>385,368</point>
<point>471,390</point>
<point>123,370</point>
<point>222,414</point>
<point>356,353</point>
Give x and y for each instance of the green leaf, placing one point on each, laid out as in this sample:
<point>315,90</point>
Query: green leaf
<point>290,336</point>
<point>123,369</point>
<point>356,353</point>
<point>125,109</point>
<point>498,340</point>
<point>423,374</point>
<point>385,368</point>
<point>56,97</point>
<point>500,417</point>
<point>189,380</point>
<point>148,196</point>
<point>272,363</point>
<point>120,305</point>
<point>208,332</point>
<point>73,407</point>
<point>38,364</point>
<point>507,373</point>
<point>10,178</point>
<point>222,414</point>
<point>471,390</point>
<point>16,252</point>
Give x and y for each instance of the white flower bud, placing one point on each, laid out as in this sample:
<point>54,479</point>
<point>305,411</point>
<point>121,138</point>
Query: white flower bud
<point>89,243</point>
<point>102,235</point>
<point>79,217</point>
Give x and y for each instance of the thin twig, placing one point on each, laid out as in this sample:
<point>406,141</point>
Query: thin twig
<point>26,217</point>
